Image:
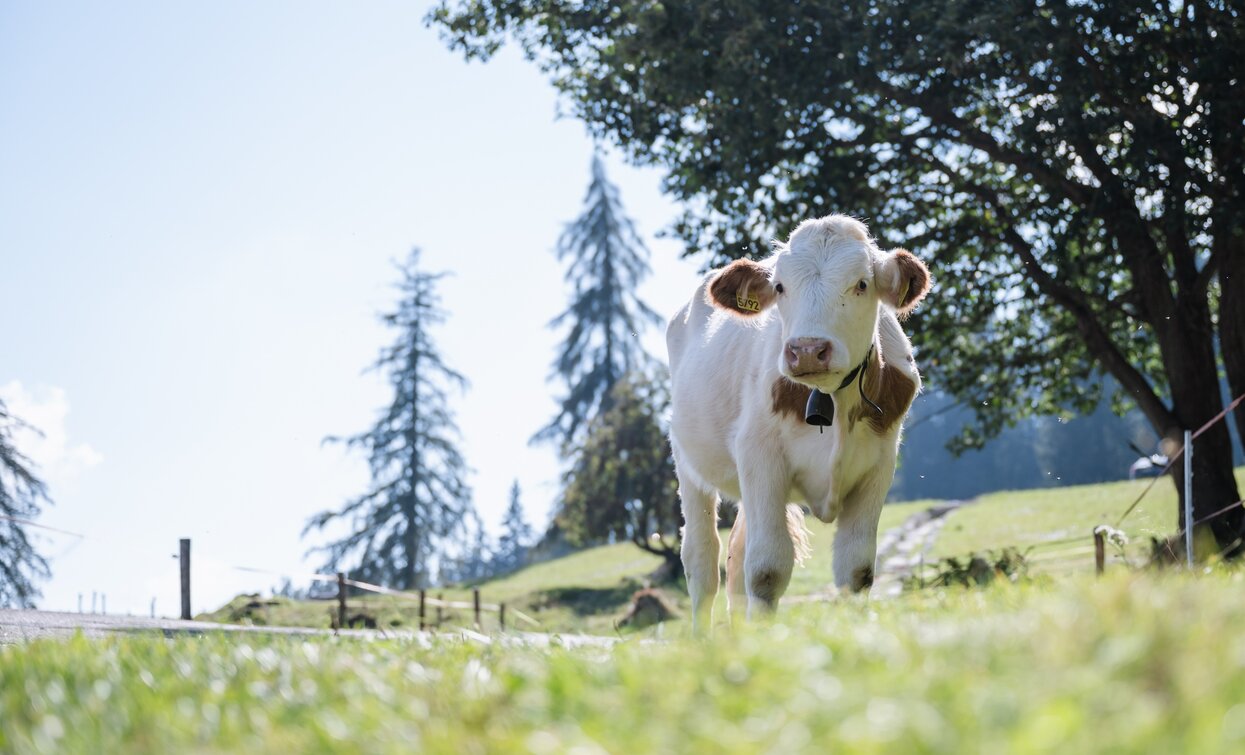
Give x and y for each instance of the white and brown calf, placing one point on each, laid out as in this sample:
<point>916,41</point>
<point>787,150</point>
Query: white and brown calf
<point>745,353</point>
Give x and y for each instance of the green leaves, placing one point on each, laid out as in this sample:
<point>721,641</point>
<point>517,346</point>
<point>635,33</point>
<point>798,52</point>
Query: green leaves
<point>621,484</point>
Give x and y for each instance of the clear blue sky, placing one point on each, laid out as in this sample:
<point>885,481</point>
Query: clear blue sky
<point>199,207</point>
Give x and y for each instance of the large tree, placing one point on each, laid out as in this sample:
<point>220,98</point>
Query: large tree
<point>418,507</point>
<point>607,262</point>
<point>1074,171</point>
<point>621,484</point>
<point>22,495</point>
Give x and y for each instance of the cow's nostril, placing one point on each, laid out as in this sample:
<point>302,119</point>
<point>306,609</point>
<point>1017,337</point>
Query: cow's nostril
<point>823,354</point>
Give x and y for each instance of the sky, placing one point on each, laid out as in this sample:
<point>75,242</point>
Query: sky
<point>200,211</point>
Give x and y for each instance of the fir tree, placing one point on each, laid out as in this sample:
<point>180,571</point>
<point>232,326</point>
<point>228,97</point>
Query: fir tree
<point>418,506</point>
<point>475,561</point>
<point>516,535</point>
<point>21,494</point>
<point>607,262</point>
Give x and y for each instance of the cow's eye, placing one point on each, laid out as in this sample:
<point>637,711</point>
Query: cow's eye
<point>861,286</point>
<point>778,287</point>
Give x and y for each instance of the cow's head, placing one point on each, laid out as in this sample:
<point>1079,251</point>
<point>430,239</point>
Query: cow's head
<point>826,282</point>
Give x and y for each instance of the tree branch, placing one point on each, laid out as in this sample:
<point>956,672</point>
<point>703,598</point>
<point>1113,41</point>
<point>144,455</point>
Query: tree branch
<point>1074,301</point>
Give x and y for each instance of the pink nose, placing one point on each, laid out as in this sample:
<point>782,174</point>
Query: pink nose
<point>805,356</point>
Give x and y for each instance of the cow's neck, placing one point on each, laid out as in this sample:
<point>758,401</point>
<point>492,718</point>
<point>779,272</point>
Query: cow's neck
<point>822,409</point>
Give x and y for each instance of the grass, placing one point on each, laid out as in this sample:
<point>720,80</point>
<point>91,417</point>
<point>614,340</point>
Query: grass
<point>1130,663</point>
<point>586,591</point>
<point>1049,515</point>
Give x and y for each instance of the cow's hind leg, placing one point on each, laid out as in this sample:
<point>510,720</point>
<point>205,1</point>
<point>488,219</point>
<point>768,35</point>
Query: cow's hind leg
<point>701,550</point>
<point>736,590</point>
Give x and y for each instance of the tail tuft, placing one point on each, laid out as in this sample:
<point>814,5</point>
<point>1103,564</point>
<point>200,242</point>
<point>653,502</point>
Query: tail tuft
<point>799,533</point>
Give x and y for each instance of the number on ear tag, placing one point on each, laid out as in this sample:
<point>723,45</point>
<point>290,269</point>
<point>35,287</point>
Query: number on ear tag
<point>746,302</point>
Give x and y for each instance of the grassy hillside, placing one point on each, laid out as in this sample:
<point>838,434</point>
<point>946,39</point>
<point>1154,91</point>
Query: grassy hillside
<point>584,592</point>
<point>1042,519</point>
<point>589,590</point>
<point>1130,663</point>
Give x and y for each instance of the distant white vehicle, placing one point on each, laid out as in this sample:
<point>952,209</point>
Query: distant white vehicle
<point>1147,466</point>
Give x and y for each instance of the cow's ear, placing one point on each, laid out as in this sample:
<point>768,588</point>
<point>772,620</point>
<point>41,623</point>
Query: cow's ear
<point>902,280</point>
<point>742,287</point>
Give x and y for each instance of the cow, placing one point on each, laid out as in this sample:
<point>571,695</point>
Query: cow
<point>818,318</point>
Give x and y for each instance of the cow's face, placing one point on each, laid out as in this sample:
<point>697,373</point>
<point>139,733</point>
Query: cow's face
<point>826,283</point>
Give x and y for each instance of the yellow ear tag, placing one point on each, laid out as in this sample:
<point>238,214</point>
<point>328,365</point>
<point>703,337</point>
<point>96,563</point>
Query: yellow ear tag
<point>745,301</point>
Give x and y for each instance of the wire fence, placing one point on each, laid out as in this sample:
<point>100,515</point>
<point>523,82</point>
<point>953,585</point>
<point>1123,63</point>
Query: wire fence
<point>421,597</point>
<point>1067,553</point>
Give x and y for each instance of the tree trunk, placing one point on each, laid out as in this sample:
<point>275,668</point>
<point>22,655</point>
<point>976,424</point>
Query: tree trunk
<point>1232,322</point>
<point>1214,487</point>
<point>1189,356</point>
<point>671,568</point>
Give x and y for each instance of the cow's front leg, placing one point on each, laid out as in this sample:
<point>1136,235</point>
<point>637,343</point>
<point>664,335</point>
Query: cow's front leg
<point>769,554</point>
<point>701,549</point>
<point>856,539</point>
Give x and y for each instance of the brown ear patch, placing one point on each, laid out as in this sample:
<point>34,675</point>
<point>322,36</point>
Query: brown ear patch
<point>741,287</point>
<point>789,397</point>
<point>889,388</point>
<point>913,281</point>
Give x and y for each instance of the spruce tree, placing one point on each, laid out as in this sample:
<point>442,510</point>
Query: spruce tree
<point>21,495</point>
<point>418,507</point>
<point>516,535</point>
<point>607,262</point>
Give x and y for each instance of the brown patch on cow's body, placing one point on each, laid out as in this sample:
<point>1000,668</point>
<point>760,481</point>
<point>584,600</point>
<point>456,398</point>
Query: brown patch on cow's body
<point>741,281</point>
<point>789,397</point>
<point>889,388</point>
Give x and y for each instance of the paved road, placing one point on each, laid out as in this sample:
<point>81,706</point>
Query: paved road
<point>21,626</point>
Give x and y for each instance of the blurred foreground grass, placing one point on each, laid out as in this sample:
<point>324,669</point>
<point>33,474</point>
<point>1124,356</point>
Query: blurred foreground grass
<point>1132,663</point>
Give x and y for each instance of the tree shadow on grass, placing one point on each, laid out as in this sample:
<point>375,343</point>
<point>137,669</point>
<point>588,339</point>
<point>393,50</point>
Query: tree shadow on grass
<point>590,601</point>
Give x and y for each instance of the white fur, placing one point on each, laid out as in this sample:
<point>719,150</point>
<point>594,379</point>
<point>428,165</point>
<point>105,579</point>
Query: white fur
<point>727,440</point>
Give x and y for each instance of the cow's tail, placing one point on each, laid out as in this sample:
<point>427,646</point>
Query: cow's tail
<point>799,533</point>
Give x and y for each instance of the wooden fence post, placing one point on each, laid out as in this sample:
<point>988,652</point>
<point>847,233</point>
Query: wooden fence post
<point>1100,551</point>
<point>423,597</point>
<point>185,562</point>
<point>440,616</point>
<point>501,616</point>
<point>475,596</point>
<point>341,600</point>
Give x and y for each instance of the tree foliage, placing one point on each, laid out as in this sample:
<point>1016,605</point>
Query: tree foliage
<point>1072,169</point>
<point>418,507</point>
<point>22,496</point>
<point>621,484</point>
<point>607,262</point>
